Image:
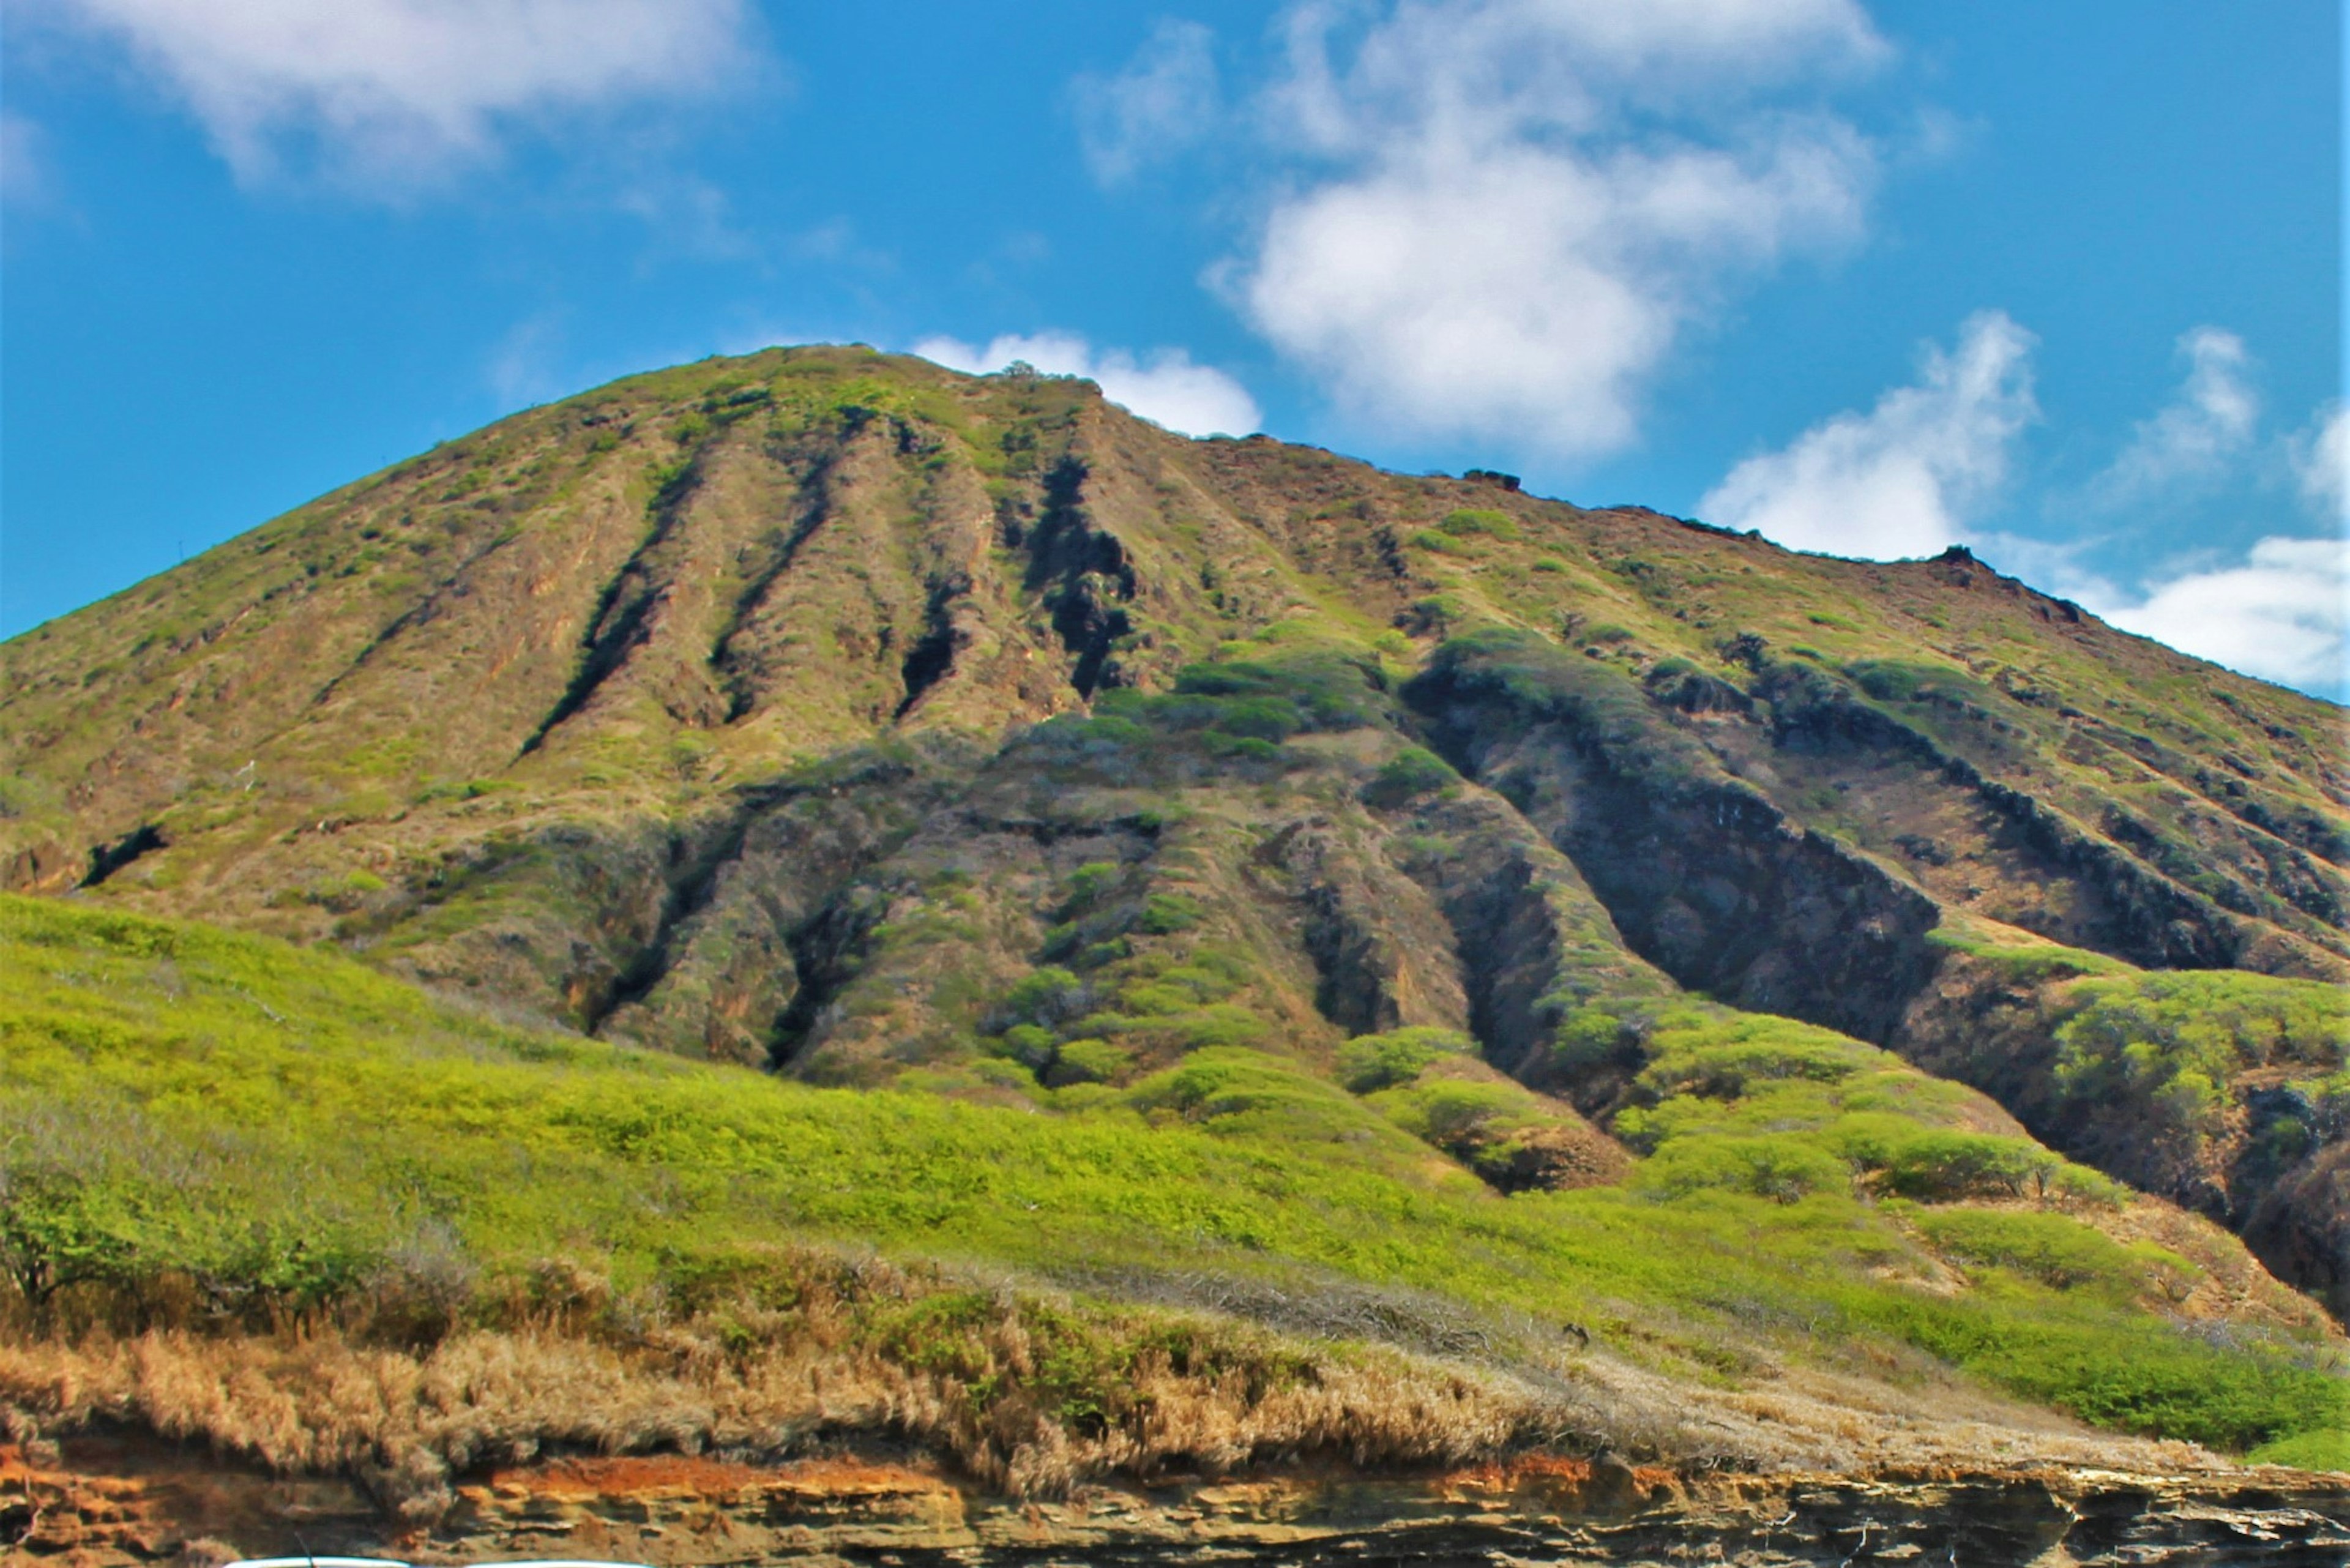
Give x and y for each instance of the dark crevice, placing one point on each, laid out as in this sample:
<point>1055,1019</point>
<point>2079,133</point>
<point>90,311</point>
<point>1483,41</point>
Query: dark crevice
<point>1083,576</point>
<point>106,859</point>
<point>692,882</point>
<point>1047,831</point>
<point>697,866</point>
<point>623,617</point>
<point>933,657</point>
<point>1356,963</point>
<point>1354,978</point>
<point>1352,988</point>
<point>1509,952</point>
<point>827,951</point>
<point>1512,961</point>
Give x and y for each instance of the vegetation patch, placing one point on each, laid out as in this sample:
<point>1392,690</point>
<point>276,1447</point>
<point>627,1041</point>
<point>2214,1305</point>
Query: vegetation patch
<point>236,1137</point>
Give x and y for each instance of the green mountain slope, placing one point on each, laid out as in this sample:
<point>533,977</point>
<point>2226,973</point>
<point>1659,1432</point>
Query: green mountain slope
<point>386,1210</point>
<point>831,714</point>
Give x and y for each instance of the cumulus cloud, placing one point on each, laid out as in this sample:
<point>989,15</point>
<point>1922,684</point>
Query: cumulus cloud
<point>1509,210</point>
<point>1166,99</point>
<point>1903,478</point>
<point>1164,386</point>
<point>2280,613</point>
<point>397,93</point>
<point>2194,438</point>
<point>2320,462</point>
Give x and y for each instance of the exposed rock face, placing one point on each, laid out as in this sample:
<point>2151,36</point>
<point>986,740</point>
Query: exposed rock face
<point>711,709</point>
<point>108,1503</point>
<point>1705,877</point>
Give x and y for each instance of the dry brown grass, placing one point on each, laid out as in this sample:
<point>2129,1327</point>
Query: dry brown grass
<point>1025,1394</point>
<point>1028,1392</point>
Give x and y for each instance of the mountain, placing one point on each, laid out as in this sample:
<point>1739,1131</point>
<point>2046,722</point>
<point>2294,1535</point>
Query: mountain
<point>929,738</point>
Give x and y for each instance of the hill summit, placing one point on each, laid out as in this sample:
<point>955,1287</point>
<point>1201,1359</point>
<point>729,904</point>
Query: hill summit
<point>886,729</point>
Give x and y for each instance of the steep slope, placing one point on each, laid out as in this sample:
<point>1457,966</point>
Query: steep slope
<point>830,711</point>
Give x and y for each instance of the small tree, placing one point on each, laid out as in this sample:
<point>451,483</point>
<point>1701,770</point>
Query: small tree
<point>58,1229</point>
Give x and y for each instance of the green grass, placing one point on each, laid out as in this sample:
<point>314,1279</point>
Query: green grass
<point>2308,1451</point>
<point>289,1124</point>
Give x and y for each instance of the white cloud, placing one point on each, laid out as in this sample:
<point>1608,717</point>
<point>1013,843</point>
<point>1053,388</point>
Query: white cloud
<point>2320,462</point>
<point>1166,99</point>
<point>397,93</point>
<point>2194,438</point>
<point>1515,207</point>
<point>1901,478</point>
<point>2281,614</point>
<point>1165,387</point>
<point>24,162</point>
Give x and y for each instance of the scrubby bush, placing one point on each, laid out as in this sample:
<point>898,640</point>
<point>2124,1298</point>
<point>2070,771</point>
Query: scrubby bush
<point>1406,777</point>
<point>2164,1049</point>
<point>1369,1063</point>
<point>1091,881</point>
<point>1164,914</point>
<point>1086,1062</point>
<point>1784,1167</point>
<point>1943,1164</point>
<point>1893,681</point>
<point>2307,1451</point>
<point>1045,996</point>
<point>2056,1250</point>
<point>1474,519</point>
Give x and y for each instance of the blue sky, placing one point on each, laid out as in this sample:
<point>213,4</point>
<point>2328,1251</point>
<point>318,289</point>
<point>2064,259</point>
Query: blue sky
<point>2059,282</point>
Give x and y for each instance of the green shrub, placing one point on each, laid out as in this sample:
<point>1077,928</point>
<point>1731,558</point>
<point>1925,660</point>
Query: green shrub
<point>1406,777</point>
<point>1443,1111</point>
<point>1472,520</point>
<point>1163,914</point>
<point>2165,1049</point>
<point>1029,1045</point>
<point>1892,680</point>
<point>1239,748</point>
<point>59,1229</point>
<point>2060,1253</point>
<point>1944,1164</point>
<point>1369,1063</point>
<point>2132,1374</point>
<point>1782,1168</point>
<point>1045,996</point>
<point>1088,1061</point>
<point>1090,882</point>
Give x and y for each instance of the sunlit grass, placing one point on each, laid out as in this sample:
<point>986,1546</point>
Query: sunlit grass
<point>182,1098</point>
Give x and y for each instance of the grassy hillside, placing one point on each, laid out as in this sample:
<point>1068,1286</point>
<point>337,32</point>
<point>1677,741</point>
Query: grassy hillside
<point>818,800</point>
<point>218,1135</point>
